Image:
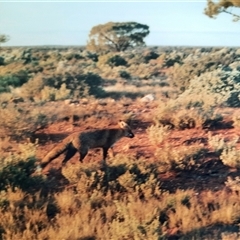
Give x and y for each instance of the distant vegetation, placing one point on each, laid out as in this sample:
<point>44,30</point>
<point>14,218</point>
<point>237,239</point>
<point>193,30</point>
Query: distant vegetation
<point>117,36</point>
<point>3,38</point>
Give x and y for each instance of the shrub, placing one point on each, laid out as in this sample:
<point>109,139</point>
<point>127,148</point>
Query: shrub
<point>19,122</point>
<point>217,88</point>
<point>53,94</point>
<point>18,174</point>
<point>93,81</point>
<point>185,158</point>
<point>233,184</point>
<point>15,80</point>
<point>124,74</point>
<point>92,56</point>
<point>33,87</point>
<point>157,134</point>
<point>179,117</point>
<point>149,55</point>
<point>63,86</point>
<point>172,60</point>
<point>116,61</point>
<point>1,61</point>
<point>218,143</point>
<point>197,64</point>
<point>230,156</point>
<point>69,56</point>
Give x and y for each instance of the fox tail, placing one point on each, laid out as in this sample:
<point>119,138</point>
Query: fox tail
<point>56,151</point>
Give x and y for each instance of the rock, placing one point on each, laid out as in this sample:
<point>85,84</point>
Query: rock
<point>148,98</point>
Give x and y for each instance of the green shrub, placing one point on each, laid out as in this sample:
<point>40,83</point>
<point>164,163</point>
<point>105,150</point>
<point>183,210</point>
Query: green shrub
<point>171,60</point>
<point>149,55</point>
<point>1,61</point>
<point>116,61</point>
<point>217,88</point>
<point>63,86</point>
<point>93,81</point>
<point>124,74</point>
<point>70,56</point>
<point>195,64</point>
<point>92,56</point>
<point>14,80</point>
<point>77,83</point>
<point>18,174</point>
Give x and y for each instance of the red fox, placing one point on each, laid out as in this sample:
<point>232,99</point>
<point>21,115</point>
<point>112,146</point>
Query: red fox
<point>83,141</point>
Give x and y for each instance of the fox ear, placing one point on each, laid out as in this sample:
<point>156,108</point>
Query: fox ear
<point>122,124</point>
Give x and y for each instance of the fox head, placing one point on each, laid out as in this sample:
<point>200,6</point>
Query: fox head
<point>127,130</point>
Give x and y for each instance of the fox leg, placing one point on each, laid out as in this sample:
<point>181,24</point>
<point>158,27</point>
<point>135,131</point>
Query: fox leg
<point>105,153</point>
<point>70,153</point>
<point>83,152</point>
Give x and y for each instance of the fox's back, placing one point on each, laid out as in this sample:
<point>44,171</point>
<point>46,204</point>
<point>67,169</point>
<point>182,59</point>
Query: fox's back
<point>100,138</point>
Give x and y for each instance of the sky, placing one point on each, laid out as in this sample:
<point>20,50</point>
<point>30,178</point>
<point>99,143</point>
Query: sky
<point>171,23</point>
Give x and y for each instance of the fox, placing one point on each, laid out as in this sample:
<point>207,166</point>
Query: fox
<point>83,141</point>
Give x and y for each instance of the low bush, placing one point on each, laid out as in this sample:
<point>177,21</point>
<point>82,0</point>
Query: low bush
<point>194,65</point>
<point>123,201</point>
<point>15,80</point>
<point>230,156</point>
<point>149,55</point>
<point>185,158</point>
<point>17,174</point>
<point>181,118</point>
<point>124,74</point>
<point>157,133</point>
<point>216,88</point>
<point>116,61</point>
<point>62,86</point>
<point>1,61</point>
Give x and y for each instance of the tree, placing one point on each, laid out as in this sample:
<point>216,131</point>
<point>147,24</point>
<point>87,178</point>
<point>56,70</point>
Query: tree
<point>214,8</point>
<point>3,38</point>
<point>117,36</point>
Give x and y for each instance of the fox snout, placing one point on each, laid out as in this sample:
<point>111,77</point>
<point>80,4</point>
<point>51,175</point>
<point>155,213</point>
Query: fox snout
<point>130,135</point>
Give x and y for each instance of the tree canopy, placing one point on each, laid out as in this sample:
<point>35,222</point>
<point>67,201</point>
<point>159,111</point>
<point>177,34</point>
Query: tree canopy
<point>117,36</point>
<point>3,38</point>
<point>215,7</point>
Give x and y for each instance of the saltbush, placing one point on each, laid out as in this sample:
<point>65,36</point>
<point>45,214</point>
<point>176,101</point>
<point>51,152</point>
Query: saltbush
<point>124,74</point>
<point>116,61</point>
<point>1,61</point>
<point>149,55</point>
<point>18,174</point>
<point>220,87</point>
<point>62,86</point>
<point>13,80</point>
<point>198,63</point>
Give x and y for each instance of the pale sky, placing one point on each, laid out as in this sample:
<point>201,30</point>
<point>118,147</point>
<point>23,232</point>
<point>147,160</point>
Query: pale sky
<point>172,23</point>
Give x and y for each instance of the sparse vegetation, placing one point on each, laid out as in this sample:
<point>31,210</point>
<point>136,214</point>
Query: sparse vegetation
<point>178,178</point>
<point>157,133</point>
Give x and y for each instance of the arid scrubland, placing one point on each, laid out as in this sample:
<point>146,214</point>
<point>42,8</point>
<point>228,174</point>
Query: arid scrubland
<point>177,179</point>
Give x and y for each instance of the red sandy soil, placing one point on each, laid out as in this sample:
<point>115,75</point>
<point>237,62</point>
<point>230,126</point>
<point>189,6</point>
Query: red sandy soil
<point>209,175</point>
